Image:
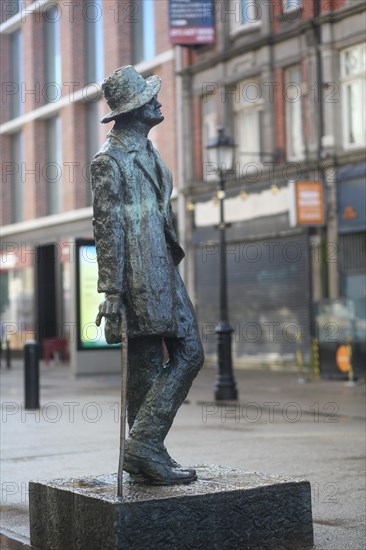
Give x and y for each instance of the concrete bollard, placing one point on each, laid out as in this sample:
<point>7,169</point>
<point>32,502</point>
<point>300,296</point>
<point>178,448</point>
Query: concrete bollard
<point>31,375</point>
<point>8,355</point>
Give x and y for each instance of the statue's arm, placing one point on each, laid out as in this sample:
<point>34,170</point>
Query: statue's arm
<point>177,251</point>
<point>108,224</point>
<point>109,239</point>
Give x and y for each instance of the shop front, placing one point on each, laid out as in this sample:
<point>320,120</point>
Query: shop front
<point>48,293</point>
<point>268,279</point>
<point>342,323</point>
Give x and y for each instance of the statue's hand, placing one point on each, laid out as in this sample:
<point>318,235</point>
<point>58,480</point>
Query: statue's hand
<point>111,309</point>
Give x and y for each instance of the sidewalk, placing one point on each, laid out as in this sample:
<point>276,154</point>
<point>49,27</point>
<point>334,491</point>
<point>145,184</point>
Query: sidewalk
<point>313,431</point>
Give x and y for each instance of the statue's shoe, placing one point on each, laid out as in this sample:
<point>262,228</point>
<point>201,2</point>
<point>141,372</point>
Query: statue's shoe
<point>155,465</point>
<point>171,460</point>
<point>158,473</point>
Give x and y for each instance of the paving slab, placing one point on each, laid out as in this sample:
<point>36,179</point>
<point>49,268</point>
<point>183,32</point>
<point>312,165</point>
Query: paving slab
<point>313,431</point>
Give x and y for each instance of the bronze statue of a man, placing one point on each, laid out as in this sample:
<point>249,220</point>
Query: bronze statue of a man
<point>138,251</point>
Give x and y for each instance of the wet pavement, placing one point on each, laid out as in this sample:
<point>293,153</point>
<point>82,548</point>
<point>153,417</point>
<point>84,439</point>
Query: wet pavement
<point>313,431</point>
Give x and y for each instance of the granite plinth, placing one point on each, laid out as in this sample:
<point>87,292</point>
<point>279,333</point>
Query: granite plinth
<point>225,508</point>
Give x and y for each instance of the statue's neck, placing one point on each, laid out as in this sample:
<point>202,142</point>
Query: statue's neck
<point>137,126</point>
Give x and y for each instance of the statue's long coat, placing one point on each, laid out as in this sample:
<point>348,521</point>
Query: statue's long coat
<point>137,247</point>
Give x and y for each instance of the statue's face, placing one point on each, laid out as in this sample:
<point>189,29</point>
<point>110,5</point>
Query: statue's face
<point>150,112</point>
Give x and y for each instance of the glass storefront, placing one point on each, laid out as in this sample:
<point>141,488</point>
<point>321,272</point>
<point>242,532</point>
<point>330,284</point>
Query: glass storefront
<point>17,306</point>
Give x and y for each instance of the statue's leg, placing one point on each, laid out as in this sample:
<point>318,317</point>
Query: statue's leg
<point>144,364</point>
<point>157,412</point>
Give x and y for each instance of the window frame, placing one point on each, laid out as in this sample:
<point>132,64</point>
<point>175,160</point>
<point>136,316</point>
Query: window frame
<point>347,80</point>
<point>239,26</point>
<point>289,6</point>
<point>52,49</point>
<point>94,46</point>
<point>18,4</point>
<point>143,32</point>
<point>17,155</point>
<point>290,154</point>
<point>53,131</point>
<point>257,109</point>
<point>208,120</point>
<point>16,69</point>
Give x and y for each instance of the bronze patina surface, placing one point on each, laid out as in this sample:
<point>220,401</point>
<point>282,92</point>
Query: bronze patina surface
<point>138,253</point>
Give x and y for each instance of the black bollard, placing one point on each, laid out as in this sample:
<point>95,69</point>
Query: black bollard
<point>31,375</point>
<point>8,354</point>
<point>1,351</point>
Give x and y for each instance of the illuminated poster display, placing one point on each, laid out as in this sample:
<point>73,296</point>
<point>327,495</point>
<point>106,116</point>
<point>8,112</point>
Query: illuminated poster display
<point>88,299</point>
<point>191,23</point>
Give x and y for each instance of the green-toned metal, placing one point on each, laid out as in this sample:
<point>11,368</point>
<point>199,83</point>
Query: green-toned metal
<point>137,252</point>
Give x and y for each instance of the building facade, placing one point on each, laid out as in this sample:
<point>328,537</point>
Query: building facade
<point>286,79</point>
<point>55,56</point>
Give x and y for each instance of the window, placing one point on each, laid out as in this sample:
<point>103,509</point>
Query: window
<point>143,31</point>
<point>248,113</point>
<point>290,5</point>
<point>17,303</point>
<point>94,41</point>
<point>353,74</point>
<point>17,184</point>
<point>11,8</point>
<point>92,140</point>
<point>16,67</point>
<point>53,167</point>
<point>52,53</point>
<point>248,133</point>
<point>209,130</point>
<point>294,114</point>
<point>4,296</point>
<point>244,14</point>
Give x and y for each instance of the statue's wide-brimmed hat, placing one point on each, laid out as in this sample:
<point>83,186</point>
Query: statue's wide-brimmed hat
<point>126,90</point>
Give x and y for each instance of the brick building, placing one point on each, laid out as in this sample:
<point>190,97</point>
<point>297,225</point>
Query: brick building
<point>54,56</point>
<point>286,79</point>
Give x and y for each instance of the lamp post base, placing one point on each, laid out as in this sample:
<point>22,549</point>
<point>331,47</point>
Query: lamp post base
<point>225,387</point>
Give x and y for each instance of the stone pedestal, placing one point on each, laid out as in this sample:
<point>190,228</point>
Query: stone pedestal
<point>224,509</point>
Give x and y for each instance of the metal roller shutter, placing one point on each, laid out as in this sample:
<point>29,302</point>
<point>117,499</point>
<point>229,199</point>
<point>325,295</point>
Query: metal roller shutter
<point>268,294</point>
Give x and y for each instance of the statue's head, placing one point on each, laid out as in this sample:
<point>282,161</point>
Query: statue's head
<point>129,94</point>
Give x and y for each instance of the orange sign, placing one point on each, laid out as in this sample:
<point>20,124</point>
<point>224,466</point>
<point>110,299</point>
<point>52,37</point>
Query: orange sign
<point>309,203</point>
<point>343,358</point>
<point>349,213</point>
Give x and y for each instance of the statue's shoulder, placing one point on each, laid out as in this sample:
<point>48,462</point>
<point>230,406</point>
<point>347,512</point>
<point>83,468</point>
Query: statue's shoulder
<point>109,153</point>
<point>103,164</point>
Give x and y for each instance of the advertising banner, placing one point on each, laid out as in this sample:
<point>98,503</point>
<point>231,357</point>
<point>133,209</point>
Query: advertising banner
<point>307,203</point>
<point>191,23</point>
<point>310,203</point>
<point>88,299</point>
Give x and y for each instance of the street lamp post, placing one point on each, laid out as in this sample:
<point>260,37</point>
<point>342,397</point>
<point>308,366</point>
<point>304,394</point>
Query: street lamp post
<point>221,153</point>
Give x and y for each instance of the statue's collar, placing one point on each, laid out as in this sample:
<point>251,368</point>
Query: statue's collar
<point>128,139</point>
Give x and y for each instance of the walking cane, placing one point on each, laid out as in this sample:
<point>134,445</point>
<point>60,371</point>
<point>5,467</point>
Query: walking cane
<point>124,357</point>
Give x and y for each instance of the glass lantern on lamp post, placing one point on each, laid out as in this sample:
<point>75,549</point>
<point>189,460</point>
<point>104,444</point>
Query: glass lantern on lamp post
<point>220,150</point>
